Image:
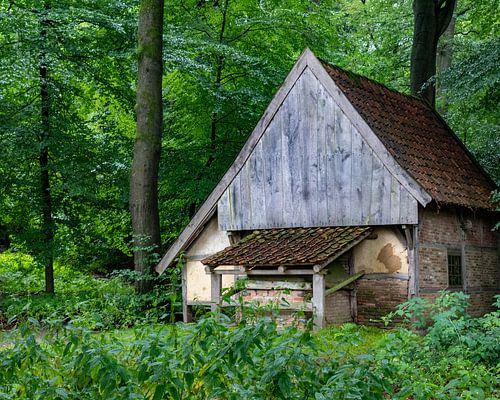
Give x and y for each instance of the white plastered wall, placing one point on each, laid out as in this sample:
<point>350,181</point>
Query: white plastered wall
<point>385,254</point>
<point>208,242</point>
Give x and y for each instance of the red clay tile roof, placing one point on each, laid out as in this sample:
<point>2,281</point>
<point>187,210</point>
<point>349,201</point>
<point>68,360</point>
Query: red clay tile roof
<point>290,246</point>
<point>419,140</point>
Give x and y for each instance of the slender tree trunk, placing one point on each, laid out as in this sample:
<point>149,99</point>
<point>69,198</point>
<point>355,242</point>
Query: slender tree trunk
<point>217,86</point>
<point>214,117</point>
<point>431,18</point>
<point>443,63</point>
<point>46,198</point>
<point>146,160</point>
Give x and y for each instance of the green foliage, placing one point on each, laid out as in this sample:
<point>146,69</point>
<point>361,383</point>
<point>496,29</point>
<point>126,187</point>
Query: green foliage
<point>451,330</point>
<point>472,83</point>
<point>80,299</point>
<point>216,359</point>
<point>88,51</point>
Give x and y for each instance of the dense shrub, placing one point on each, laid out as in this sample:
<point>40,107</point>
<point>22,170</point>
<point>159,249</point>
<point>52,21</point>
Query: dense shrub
<point>87,301</point>
<point>53,352</point>
<point>449,329</point>
<point>213,359</point>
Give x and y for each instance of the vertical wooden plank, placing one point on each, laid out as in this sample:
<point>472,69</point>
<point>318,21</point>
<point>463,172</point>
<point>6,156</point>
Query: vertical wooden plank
<point>343,167</point>
<point>286,185</point>
<point>257,195</point>
<point>377,191</point>
<point>235,203</point>
<point>357,184</point>
<point>318,300</point>
<point>244,210</point>
<point>291,169</point>
<point>273,170</point>
<point>308,130</point>
<point>408,208</point>
<point>416,252</point>
<point>366,177</point>
<point>330,167</point>
<point>186,312</point>
<point>386,203</point>
<point>296,151</point>
<point>395,201</point>
<point>321,132</point>
<point>410,248</point>
<point>223,211</point>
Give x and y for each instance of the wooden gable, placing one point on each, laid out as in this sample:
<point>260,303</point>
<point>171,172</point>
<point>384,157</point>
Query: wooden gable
<point>313,167</point>
<point>274,203</point>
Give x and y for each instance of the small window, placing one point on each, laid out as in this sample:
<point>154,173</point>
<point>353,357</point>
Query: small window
<point>454,270</point>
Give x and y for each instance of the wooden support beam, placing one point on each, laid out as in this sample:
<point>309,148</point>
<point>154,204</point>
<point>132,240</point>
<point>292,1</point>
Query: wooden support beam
<point>318,300</point>
<point>413,261</point>
<point>230,270</point>
<point>186,310</point>
<point>216,287</point>
<point>277,284</point>
<point>408,235</point>
<point>344,283</point>
<point>276,272</point>
<point>282,269</point>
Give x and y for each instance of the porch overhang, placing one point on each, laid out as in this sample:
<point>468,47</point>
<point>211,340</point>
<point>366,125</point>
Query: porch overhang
<point>287,251</point>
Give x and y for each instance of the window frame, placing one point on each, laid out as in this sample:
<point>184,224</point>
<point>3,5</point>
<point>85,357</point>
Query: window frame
<point>460,268</point>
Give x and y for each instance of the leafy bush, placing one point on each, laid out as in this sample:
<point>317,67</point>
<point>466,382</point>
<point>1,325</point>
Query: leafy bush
<point>87,301</point>
<point>450,329</point>
<point>214,359</point>
<point>51,355</point>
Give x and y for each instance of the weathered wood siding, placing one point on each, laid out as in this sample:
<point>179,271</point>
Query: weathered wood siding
<point>313,168</point>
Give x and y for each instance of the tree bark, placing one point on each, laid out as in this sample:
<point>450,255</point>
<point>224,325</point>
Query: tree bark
<point>146,159</point>
<point>431,18</point>
<point>443,63</point>
<point>43,157</point>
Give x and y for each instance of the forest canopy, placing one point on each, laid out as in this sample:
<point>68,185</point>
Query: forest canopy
<point>67,96</point>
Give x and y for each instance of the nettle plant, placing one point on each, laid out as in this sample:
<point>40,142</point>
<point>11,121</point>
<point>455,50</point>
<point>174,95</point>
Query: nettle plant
<point>448,327</point>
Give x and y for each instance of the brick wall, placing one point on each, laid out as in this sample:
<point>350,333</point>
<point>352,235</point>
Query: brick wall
<point>378,297</point>
<point>276,296</point>
<point>280,299</point>
<point>338,308</point>
<point>449,229</point>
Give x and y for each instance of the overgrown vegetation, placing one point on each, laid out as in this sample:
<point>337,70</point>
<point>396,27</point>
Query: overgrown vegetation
<point>453,356</point>
<point>81,299</point>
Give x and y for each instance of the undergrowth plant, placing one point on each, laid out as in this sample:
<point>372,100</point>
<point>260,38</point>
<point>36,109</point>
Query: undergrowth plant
<point>84,300</point>
<point>216,359</point>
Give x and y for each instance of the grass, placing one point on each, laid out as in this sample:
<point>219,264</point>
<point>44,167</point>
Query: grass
<point>351,339</point>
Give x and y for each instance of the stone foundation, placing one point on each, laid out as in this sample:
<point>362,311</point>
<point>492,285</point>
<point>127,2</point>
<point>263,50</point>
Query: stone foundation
<point>338,308</point>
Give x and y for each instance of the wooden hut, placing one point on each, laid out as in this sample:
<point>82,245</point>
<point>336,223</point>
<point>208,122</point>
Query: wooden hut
<point>347,199</point>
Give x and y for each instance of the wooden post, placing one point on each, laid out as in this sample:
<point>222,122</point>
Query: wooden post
<point>416,257</point>
<point>186,311</point>
<point>319,300</point>
<point>216,286</point>
<point>410,248</point>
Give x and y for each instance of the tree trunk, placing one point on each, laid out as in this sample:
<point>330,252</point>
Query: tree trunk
<point>431,18</point>
<point>146,159</point>
<point>443,63</point>
<point>43,158</point>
